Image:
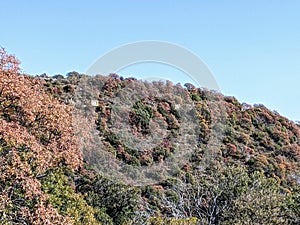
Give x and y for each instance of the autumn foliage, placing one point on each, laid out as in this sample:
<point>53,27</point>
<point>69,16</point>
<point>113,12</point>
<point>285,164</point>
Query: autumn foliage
<point>242,166</point>
<point>35,137</point>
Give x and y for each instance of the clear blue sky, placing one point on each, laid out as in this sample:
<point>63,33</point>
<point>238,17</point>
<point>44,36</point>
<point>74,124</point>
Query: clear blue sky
<point>252,47</point>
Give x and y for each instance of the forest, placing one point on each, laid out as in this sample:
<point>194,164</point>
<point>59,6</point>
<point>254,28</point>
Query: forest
<point>76,149</point>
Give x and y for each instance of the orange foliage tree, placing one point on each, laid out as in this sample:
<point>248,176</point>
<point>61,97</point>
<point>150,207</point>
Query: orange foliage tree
<point>35,137</point>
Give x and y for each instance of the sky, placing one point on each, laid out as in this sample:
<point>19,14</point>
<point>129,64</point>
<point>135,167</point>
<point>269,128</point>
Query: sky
<point>251,47</point>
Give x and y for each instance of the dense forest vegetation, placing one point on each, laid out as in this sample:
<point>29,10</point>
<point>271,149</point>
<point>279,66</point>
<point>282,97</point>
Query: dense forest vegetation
<point>212,160</point>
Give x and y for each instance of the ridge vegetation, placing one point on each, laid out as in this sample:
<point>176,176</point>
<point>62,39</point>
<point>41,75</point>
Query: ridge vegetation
<point>243,166</point>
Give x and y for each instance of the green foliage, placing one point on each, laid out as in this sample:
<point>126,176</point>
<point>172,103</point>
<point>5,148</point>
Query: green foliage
<point>292,205</point>
<point>117,200</point>
<point>261,202</point>
<point>195,97</point>
<point>170,221</point>
<point>230,196</point>
<point>143,114</point>
<point>63,198</point>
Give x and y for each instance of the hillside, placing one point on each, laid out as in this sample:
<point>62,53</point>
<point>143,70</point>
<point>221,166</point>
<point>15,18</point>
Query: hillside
<point>113,150</point>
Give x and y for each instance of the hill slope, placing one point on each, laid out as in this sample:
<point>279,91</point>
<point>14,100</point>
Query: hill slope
<point>109,150</point>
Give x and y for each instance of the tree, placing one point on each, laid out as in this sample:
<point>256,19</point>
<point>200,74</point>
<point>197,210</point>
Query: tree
<point>35,137</point>
<point>230,196</point>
